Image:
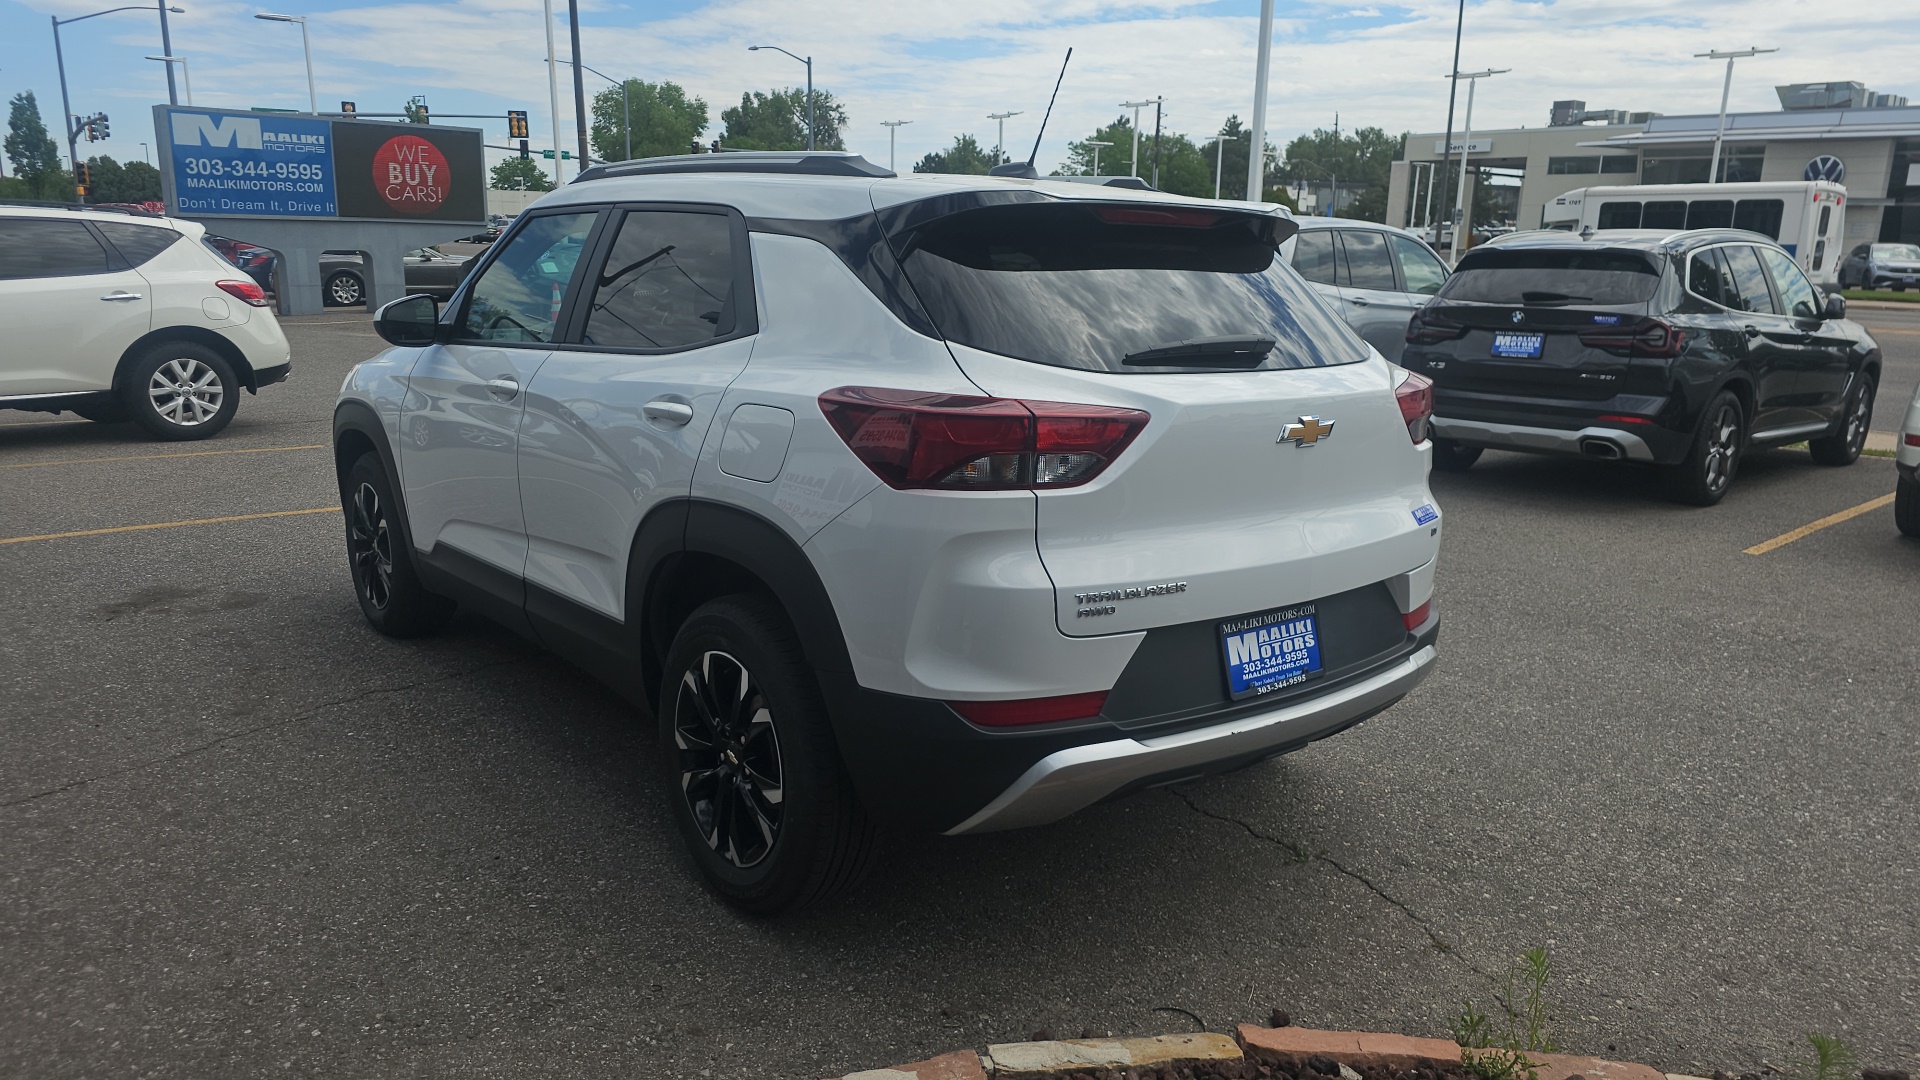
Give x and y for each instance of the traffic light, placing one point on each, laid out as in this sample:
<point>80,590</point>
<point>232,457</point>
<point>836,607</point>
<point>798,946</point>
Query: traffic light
<point>100,127</point>
<point>83,174</point>
<point>516,124</point>
<point>348,108</point>
<point>523,148</point>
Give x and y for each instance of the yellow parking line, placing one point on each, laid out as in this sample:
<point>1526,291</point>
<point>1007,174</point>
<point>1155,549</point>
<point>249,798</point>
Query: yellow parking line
<point>157,457</point>
<point>1813,527</point>
<point>168,525</point>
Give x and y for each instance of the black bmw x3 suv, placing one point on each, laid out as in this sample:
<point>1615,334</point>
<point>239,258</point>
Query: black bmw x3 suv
<point>1681,350</point>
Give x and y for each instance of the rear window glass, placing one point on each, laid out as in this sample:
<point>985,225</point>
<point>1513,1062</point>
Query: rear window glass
<point>138,243</point>
<point>1090,287</point>
<point>1493,276</point>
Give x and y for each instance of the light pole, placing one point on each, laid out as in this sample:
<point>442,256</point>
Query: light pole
<point>1133,168</point>
<point>893,128</point>
<point>807,60</point>
<point>306,46</point>
<point>1453,93</point>
<point>184,73</point>
<point>626,107</point>
<point>1256,152</point>
<point>1219,160</point>
<point>147,157</point>
<point>1096,144</point>
<point>1000,140</point>
<point>1720,133</point>
<point>553,92</point>
<point>59,59</point>
<point>1462,218</point>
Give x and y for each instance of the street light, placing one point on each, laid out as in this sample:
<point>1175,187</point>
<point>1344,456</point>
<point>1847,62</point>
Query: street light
<point>184,73</point>
<point>1463,216</point>
<point>1219,160</point>
<point>893,128</point>
<point>60,61</point>
<point>626,109</point>
<point>313,100</point>
<point>1719,133</point>
<point>1256,153</point>
<point>1136,106</point>
<point>807,60</point>
<point>1096,144</point>
<point>1000,140</point>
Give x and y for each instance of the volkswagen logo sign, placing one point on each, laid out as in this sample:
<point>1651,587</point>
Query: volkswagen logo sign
<point>1519,316</point>
<point>1826,167</point>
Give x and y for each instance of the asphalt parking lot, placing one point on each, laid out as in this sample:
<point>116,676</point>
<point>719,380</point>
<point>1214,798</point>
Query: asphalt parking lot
<point>241,834</point>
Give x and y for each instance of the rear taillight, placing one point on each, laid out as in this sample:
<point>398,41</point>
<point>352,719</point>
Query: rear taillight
<point>955,442</point>
<point>245,290</point>
<point>1648,337</point>
<point>1912,439</point>
<point>1157,215</point>
<point>1025,711</point>
<point>1418,616</point>
<point>1415,398</point>
<point>1427,328</point>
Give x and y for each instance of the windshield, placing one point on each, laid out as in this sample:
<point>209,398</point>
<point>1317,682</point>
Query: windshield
<point>1896,251</point>
<point>1123,288</point>
<point>1552,276</point>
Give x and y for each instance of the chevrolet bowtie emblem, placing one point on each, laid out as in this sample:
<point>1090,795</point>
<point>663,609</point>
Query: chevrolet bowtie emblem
<point>1310,430</point>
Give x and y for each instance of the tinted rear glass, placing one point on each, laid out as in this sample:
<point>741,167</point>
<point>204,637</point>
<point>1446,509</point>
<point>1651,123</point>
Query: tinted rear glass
<point>1086,287</point>
<point>138,243</point>
<point>1493,276</point>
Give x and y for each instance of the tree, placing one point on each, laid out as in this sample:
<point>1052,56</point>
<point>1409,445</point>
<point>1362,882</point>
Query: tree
<point>1114,160</point>
<point>520,174</point>
<point>663,118</point>
<point>1363,157</point>
<point>136,181</point>
<point>35,157</point>
<point>965,157</point>
<point>778,121</point>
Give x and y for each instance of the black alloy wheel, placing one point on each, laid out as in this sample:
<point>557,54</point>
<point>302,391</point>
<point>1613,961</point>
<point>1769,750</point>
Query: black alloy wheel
<point>1844,445</point>
<point>1713,461</point>
<point>381,559</point>
<point>730,770</point>
<point>370,546</point>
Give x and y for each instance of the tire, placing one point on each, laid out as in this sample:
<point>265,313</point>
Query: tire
<point>180,390</point>
<point>1714,459</point>
<point>381,560</point>
<point>1906,506</point>
<point>1844,445</point>
<point>1450,456</point>
<point>345,289</point>
<point>741,720</point>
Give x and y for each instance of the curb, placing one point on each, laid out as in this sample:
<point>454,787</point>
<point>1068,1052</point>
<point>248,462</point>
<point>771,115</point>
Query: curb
<point>1298,1052</point>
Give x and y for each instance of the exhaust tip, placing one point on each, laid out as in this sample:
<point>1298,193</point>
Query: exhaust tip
<point>1602,448</point>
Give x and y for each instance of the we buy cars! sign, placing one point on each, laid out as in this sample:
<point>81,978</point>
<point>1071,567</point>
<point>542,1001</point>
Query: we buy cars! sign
<point>222,163</point>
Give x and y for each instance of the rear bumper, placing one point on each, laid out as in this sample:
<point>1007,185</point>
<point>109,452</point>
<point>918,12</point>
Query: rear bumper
<point>269,375</point>
<point>1610,443</point>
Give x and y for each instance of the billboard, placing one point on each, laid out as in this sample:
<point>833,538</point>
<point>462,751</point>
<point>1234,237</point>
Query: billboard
<point>221,163</point>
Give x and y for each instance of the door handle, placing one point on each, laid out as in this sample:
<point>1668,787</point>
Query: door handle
<point>504,388</point>
<point>1751,331</point>
<point>668,412</point>
<point>1358,300</point>
<point>121,295</point>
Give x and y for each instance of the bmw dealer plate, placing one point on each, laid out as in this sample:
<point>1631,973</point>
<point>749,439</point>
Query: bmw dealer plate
<point>1518,346</point>
<point>1268,651</point>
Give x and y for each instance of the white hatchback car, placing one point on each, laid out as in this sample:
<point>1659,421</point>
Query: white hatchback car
<point>1906,490</point>
<point>953,503</point>
<point>117,317</point>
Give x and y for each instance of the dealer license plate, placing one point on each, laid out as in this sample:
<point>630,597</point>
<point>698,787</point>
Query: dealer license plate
<point>1519,346</point>
<point>1271,650</point>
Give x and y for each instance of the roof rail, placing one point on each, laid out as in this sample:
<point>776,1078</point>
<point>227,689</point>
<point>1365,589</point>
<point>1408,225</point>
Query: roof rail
<point>789,162</point>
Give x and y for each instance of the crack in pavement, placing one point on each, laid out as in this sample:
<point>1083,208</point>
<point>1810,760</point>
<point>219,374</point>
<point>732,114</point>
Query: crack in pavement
<point>234,736</point>
<point>1300,853</point>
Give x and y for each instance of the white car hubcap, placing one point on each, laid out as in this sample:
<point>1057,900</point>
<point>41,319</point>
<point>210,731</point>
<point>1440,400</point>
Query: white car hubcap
<point>186,392</point>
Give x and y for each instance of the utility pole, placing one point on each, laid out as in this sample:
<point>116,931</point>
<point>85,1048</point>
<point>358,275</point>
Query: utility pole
<point>579,85</point>
<point>893,129</point>
<point>1000,140</point>
<point>1257,149</point>
<point>1720,133</point>
<point>1133,167</point>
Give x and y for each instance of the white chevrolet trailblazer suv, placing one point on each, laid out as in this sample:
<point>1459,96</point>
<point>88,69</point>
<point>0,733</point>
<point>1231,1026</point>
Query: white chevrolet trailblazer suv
<point>115,317</point>
<point>941,502</point>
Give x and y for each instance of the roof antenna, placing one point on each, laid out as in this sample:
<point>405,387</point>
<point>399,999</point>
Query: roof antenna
<point>1024,170</point>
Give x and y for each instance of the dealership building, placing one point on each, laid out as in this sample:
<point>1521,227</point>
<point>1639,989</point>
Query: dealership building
<point>1836,131</point>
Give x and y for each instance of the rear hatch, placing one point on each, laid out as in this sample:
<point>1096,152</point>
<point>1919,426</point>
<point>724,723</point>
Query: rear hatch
<point>1545,323</point>
<point>1186,316</point>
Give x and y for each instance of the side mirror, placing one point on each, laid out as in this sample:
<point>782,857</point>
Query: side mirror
<point>1835,308</point>
<point>411,321</point>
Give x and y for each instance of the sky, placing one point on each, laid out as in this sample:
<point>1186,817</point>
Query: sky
<point>945,64</point>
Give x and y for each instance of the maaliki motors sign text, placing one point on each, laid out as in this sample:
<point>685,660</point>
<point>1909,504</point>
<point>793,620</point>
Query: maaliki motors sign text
<point>281,165</point>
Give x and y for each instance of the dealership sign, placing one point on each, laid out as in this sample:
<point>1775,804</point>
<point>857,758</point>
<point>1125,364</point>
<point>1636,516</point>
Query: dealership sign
<point>221,163</point>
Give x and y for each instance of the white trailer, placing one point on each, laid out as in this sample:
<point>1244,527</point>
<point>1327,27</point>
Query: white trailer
<point>1807,217</point>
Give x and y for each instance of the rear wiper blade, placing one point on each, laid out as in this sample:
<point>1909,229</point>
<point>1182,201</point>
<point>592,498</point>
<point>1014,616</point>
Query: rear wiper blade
<point>1204,352</point>
<point>1552,298</point>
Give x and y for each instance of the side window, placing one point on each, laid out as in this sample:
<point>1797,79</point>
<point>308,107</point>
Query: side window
<point>1664,215</point>
<point>1423,272</point>
<point>138,244</point>
<point>1710,214</point>
<point>1749,280</point>
<point>1759,215</point>
<point>1368,264</point>
<point>1707,279</point>
<point>1796,292</point>
<point>519,295</point>
<point>36,249</point>
<point>1314,256</point>
<point>1619,215</point>
<point>668,282</point>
